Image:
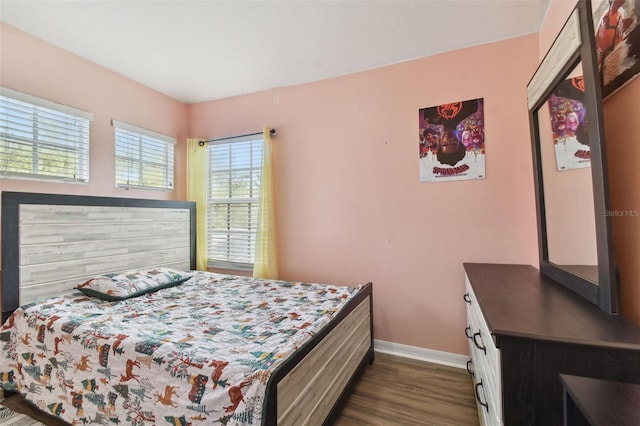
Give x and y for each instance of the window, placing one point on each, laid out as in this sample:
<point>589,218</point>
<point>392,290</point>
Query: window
<point>42,139</point>
<point>144,159</point>
<point>233,197</point>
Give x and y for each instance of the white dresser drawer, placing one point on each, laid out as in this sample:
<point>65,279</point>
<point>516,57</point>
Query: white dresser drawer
<point>486,362</point>
<point>486,411</point>
<point>488,397</point>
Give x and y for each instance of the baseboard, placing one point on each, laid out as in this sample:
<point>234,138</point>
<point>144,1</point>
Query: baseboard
<point>421,354</point>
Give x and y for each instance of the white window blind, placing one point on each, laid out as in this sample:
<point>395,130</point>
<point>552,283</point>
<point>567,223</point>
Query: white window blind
<point>233,198</point>
<point>41,139</point>
<point>144,159</point>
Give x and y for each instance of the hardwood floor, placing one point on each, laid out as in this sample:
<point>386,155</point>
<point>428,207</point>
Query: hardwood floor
<point>392,391</point>
<point>399,391</point>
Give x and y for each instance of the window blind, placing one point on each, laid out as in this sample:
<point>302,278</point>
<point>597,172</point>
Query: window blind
<point>144,159</point>
<point>235,173</point>
<point>41,139</point>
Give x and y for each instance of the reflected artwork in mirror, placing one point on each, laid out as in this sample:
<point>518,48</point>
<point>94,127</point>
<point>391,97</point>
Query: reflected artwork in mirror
<point>572,197</point>
<point>566,174</point>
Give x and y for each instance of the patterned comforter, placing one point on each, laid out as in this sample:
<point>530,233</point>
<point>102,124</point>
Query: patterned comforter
<point>198,353</point>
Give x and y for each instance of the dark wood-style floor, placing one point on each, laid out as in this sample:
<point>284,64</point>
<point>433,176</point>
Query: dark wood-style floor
<point>400,391</point>
<point>392,391</point>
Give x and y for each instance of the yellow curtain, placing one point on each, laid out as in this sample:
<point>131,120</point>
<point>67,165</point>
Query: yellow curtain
<point>196,191</point>
<point>266,261</point>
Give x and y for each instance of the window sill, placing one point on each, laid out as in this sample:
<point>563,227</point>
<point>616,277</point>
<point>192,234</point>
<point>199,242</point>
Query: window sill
<point>231,272</point>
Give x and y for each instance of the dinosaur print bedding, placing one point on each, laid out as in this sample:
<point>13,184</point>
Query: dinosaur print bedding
<point>198,353</point>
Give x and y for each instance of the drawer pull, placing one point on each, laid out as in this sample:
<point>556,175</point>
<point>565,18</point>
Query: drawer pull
<point>467,331</point>
<point>467,298</point>
<point>475,342</point>
<point>484,404</point>
<point>469,364</point>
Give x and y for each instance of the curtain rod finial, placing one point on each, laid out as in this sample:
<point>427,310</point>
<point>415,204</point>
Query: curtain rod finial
<point>272,132</point>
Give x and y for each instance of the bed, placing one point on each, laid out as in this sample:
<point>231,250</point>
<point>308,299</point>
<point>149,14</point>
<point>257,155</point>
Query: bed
<point>52,243</point>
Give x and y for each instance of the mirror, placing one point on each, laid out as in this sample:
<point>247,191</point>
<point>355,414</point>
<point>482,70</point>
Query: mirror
<point>572,197</point>
<point>566,174</point>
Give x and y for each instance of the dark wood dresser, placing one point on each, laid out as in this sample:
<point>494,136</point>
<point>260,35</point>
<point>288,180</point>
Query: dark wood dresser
<point>599,402</point>
<point>538,330</point>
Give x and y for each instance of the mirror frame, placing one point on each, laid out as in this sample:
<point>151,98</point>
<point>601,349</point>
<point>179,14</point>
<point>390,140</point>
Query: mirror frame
<point>575,43</point>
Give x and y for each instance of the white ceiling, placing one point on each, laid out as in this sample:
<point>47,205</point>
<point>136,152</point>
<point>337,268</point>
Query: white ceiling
<point>196,51</point>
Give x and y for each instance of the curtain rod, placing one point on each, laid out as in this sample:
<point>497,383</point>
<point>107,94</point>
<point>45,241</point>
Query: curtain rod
<point>272,132</point>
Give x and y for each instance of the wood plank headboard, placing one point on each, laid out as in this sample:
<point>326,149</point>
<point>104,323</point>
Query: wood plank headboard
<point>52,242</point>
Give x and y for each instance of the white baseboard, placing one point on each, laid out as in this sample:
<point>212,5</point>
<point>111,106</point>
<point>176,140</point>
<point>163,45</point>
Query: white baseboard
<point>421,354</point>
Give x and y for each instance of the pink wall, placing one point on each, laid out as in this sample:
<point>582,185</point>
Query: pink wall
<point>35,67</point>
<point>622,130</point>
<point>350,207</point>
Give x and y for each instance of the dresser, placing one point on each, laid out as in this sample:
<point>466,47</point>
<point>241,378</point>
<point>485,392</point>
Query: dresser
<point>524,330</point>
<point>599,402</point>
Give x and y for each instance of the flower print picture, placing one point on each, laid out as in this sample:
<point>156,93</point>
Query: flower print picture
<point>451,141</point>
<point>569,125</point>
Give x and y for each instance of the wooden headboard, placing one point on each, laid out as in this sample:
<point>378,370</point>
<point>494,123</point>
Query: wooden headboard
<point>52,242</point>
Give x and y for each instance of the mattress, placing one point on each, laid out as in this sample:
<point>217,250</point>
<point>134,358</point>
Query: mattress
<point>198,353</point>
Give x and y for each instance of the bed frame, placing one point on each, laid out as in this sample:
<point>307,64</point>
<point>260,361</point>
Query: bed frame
<point>51,242</point>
